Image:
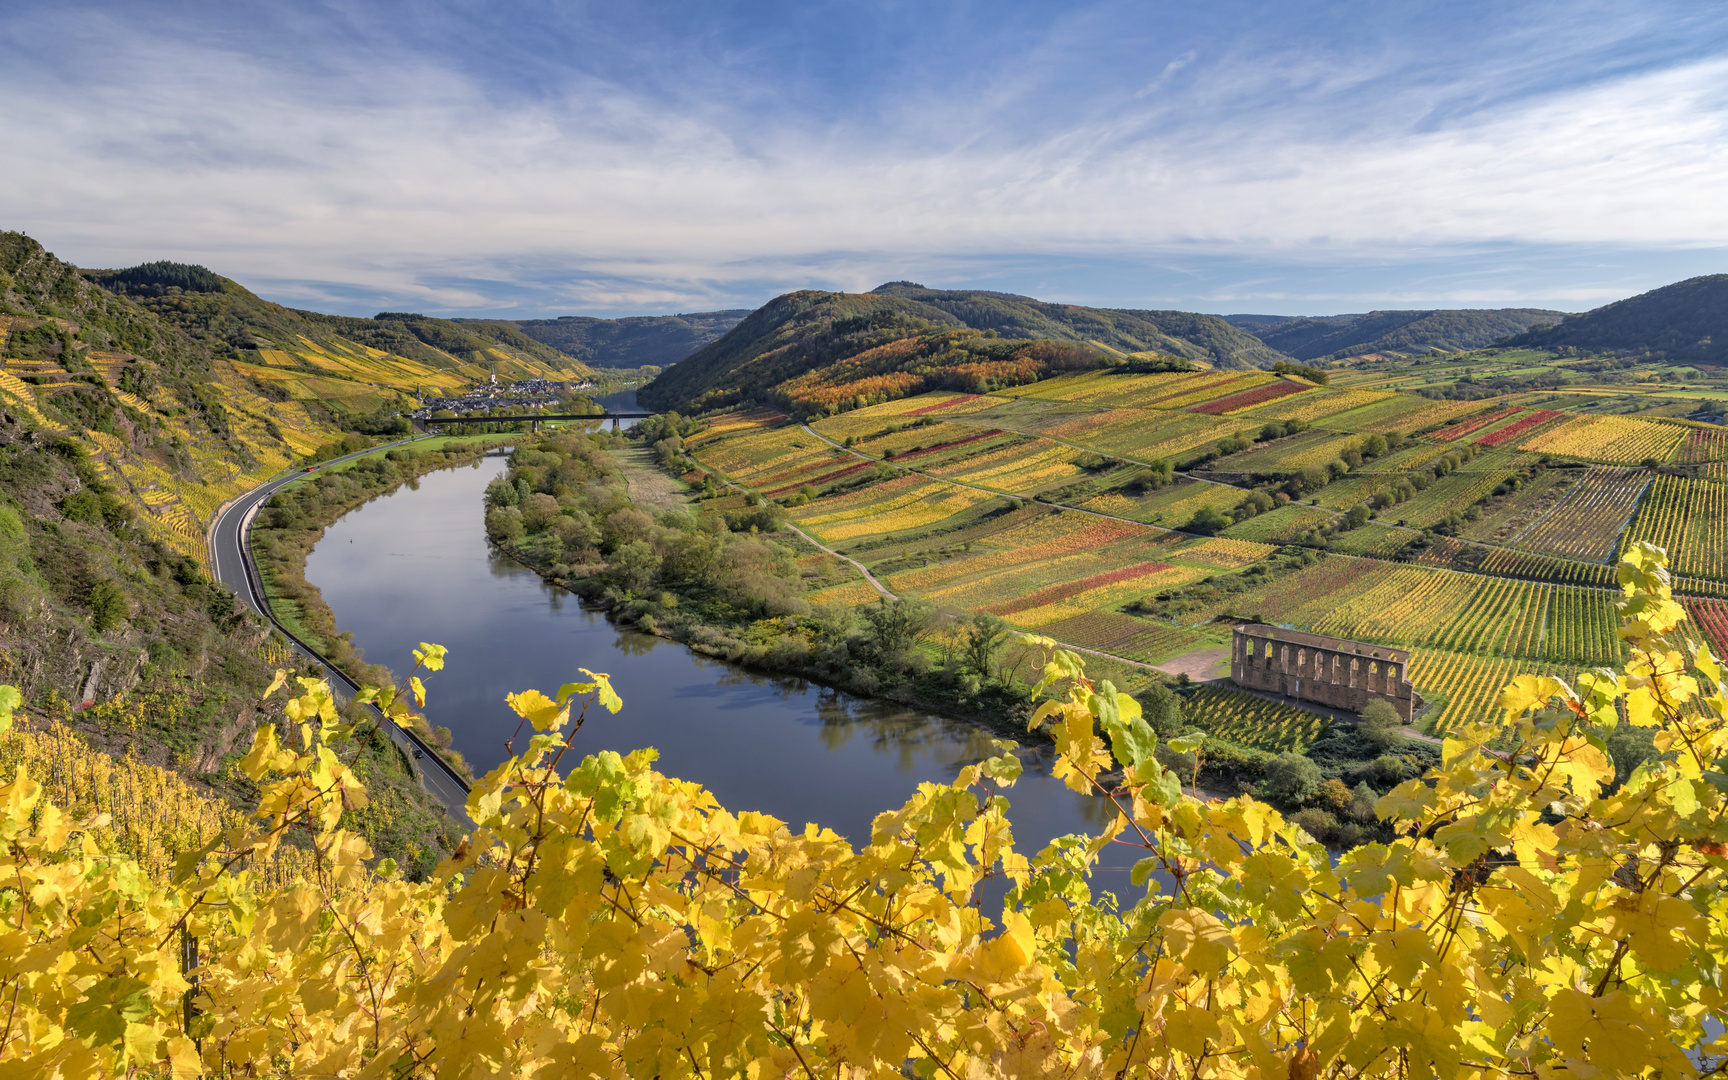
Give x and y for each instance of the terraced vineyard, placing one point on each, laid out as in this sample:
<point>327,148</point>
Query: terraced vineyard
<point>1537,599</point>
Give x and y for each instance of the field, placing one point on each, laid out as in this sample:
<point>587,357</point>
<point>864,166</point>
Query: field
<point>1588,521</point>
<point>1689,520</point>
<point>931,495</point>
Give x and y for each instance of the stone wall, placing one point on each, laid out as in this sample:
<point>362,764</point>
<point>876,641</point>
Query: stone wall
<point>1329,671</point>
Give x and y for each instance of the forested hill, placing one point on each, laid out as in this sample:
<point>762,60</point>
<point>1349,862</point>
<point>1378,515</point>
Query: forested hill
<point>1180,333</point>
<point>826,351</point>
<point>1403,332</point>
<point>1686,321</point>
<point>659,340</point>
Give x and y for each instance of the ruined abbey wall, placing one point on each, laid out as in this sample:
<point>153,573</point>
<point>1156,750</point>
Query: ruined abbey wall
<point>1330,671</point>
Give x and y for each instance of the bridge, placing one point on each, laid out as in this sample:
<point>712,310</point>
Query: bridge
<point>533,419</point>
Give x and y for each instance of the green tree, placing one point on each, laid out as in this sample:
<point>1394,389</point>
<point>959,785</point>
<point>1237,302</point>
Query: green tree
<point>984,638</point>
<point>894,625</point>
<point>1380,724</point>
<point>1292,779</point>
<point>1207,522</point>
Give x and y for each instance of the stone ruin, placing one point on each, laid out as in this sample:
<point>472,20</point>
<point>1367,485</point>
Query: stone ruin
<point>1325,670</point>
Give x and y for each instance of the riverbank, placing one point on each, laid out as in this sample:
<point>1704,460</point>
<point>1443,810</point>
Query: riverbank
<point>294,519</point>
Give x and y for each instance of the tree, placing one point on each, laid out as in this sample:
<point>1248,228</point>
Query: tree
<point>1162,710</point>
<point>1207,522</point>
<point>1380,724</point>
<point>985,636</point>
<point>894,625</point>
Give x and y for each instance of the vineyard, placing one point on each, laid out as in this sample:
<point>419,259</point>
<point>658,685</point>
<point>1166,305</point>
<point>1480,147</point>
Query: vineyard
<point>1619,440</point>
<point>1247,399</point>
<point>1518,428</point>
<point>1705,445</point>
<point>1248,720</point>
<point>1467,683</point>
<point>1318,404</point>
<point>1688,519</point>
<point>1311,449</point>
<point>152,814</point>
<point>906,502</point>
<point>1148,435</point>
<point>1456,431</point>
<point>1280,526</point>
<point>1587,522</point>
<point>1712,618</point>
<point>1123,635</point>
<point>1400,413</point>
<point>1170,507</point>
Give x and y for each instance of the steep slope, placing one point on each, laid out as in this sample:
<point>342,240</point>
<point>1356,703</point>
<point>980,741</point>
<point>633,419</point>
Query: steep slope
<point>819,351</point>
<point>166,419</point>
<point>822,350</point>
<point>349,366</point>
<point>1449,330</point>
<point>120,434</point>
<point>1686,321</point>
<point>1179,333</point>
<point>659,340</point>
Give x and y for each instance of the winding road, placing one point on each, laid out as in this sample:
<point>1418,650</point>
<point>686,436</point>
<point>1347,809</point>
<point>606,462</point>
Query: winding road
<point>231,562</point>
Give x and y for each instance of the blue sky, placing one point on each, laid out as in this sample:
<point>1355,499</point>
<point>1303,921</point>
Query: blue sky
<point>551,158</point>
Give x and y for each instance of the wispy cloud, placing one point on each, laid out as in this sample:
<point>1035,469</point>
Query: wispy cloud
<point>376,170</point>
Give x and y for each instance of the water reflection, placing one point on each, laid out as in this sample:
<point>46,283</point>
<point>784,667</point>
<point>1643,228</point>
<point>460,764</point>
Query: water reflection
<point>415,566</point>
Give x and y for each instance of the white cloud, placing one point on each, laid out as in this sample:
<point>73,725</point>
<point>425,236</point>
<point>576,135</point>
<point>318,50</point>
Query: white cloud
<point>394,178</point>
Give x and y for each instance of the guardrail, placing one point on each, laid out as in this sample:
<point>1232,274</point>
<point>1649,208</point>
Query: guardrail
<point>255,582</point>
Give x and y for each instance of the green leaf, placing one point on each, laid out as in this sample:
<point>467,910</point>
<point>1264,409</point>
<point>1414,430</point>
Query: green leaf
<point>430,656</point>
<point>1132,741</point>
<point>10,700</point>
<point>1188,743</point>
<point>603,683</point>
<point>1143,870</point>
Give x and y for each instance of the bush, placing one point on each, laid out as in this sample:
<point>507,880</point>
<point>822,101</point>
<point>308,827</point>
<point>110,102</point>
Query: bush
<point>1292,779</point>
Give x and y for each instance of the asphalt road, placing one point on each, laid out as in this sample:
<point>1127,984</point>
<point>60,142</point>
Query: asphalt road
<point>231,560</point>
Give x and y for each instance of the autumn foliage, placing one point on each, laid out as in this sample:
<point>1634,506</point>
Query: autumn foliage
<point>1531,919</point>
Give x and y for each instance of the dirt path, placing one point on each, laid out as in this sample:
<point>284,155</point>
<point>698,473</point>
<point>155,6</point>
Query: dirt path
<point>1201,665</point>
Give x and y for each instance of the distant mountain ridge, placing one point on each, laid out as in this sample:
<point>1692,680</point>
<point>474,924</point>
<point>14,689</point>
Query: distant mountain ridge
<point>333,362</point>
<point>1685,321</point>
<point>631,342</point>
<point>1436,330</point>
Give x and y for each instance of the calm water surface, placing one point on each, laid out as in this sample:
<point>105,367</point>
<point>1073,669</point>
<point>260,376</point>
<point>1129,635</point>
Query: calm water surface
<point>415,566</point>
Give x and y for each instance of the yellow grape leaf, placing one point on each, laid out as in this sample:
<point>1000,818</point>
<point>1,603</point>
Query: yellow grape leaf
<point>430,656</point>
<point>537,709</point>
<point>603,684</point>
<point>1527,692</point>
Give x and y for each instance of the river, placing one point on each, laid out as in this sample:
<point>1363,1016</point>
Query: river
<point>415,566</point>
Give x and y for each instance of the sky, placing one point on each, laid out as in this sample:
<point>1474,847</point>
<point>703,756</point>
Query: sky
<point>536,159</point>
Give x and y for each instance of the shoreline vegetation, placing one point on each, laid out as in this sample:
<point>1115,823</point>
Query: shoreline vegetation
<point>293,521</point>
<point>729,582</point>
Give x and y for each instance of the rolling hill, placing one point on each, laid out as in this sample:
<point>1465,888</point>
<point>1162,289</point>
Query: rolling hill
<point>1686,322</point>
<point>658,340</point>
<point>1205,338</point>
<point>812,350</point>
<point>1403,332</point>
<point>331,361</point>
